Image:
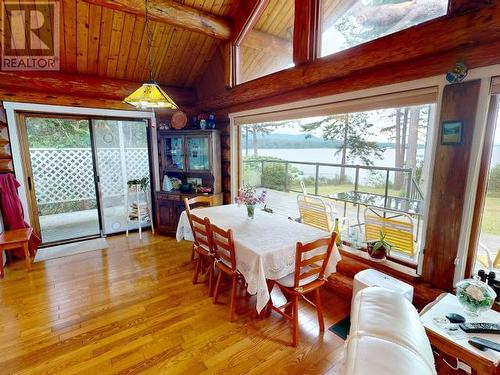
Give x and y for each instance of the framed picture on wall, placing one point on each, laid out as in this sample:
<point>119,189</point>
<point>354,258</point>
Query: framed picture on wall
<point>452,132</point>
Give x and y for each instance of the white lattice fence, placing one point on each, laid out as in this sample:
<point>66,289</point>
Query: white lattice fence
<point>65,175</point>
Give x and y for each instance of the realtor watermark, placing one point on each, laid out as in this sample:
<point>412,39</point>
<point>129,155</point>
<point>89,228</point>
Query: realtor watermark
<point>30,35</point>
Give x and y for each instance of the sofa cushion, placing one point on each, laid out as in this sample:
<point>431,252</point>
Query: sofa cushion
<point>384,322</point>
<point>372,355</point>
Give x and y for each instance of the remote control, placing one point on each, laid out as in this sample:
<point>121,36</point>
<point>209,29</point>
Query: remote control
<point>483,344</point>
<point>480,327</point>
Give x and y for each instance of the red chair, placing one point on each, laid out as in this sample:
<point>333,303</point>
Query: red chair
<point>308,277</point>
<point>223,245</point>
<point>199,201</point>
<point>202,247</point>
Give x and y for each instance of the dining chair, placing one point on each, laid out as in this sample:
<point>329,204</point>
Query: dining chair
<point>225,254</point>
<point>202,246</point>
<point>485,258</point>
<point>315,212</point>
<point>199,201</point>
<point>311,260</point>
<point>397,227</point>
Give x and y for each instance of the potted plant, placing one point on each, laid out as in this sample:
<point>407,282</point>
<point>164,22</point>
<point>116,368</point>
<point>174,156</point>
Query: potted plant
<point>379,249</point>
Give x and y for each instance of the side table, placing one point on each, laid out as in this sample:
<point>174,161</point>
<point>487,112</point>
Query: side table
<point>481,362</point>
<point>15,239</point>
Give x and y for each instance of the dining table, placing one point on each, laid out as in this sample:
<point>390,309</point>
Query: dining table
<point>265,245</point>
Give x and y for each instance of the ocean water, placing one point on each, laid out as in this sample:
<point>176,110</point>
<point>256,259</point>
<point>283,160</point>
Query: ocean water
<point>328,155</point>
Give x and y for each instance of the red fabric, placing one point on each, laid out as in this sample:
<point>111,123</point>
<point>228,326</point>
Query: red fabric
<point>13,213</point>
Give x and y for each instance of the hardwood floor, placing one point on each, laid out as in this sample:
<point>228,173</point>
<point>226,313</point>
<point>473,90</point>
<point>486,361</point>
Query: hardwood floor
<point>133,309</point>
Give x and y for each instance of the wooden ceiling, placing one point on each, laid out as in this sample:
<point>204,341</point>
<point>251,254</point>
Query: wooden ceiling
<point>106,42</point>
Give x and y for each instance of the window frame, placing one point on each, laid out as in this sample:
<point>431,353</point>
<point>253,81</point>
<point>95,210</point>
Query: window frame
<point>482,184</point>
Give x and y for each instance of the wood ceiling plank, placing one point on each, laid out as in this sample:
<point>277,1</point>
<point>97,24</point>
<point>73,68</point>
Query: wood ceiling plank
<point>162,49</point>
<point>190,69</point>
<point>199,65</point>
<point>70,34</point>
<point>166,60</point>
<point>135,46</point>
<point>157,33</point>
<point>172,53</point>
<point>125,45</point>
<point>141,56</point>
<point>104,41</point>
<point>180,57</point>
<point>82,36</point>
<point>114,46</point>
<point>94,38</point>
<point>186,58</point>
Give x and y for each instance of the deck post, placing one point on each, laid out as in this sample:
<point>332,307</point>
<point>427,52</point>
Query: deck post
<point>285,187</point>
<point>316,180</point>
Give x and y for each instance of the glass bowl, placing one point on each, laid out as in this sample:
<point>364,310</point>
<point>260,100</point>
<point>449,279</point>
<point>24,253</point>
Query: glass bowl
<point>475,296</point>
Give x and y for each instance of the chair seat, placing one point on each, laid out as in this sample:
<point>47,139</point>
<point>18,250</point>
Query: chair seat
<point>289,280</point>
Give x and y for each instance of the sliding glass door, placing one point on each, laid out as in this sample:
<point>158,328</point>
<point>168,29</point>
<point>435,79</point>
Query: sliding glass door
<point>121,149</point>
<point>61,182</point>
<point>78,169</point>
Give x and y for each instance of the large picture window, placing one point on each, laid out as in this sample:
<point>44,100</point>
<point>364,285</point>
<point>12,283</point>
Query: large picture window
<point>348,23</point>
<point>352,160</point>
<point>488,249</point>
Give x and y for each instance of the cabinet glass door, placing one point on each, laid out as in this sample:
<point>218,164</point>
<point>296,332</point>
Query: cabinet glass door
<point>174,157</point>
<point>198,157</point>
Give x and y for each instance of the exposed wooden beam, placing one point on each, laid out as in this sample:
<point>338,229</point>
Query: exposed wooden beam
<point>61,85</point>
<point>173,13</point>
<point>441,36</point>
<point>305,31</point>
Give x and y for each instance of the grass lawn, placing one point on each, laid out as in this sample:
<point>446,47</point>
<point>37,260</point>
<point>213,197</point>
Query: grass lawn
<point>491,216</point>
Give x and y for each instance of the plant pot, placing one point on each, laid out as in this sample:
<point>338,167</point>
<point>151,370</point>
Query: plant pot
<point>379,255</point>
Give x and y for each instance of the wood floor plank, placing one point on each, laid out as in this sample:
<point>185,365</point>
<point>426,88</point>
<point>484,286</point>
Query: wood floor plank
<point>132,308</point>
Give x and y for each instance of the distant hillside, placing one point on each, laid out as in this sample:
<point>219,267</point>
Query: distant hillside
<point>278,140</point>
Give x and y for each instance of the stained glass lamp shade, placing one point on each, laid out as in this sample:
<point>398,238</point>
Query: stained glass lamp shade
<point>150,95</point>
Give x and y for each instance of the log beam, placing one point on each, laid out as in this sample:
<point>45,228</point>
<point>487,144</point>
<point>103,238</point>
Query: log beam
<point>173,13</point>
<point>94,89</point>
<point>428,41</point>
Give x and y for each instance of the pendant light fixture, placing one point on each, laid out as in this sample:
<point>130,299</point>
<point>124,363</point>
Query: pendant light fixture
<point>150,94</point>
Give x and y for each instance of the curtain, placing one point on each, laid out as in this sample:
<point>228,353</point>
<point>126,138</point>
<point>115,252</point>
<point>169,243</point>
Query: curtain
<point>13,213</point>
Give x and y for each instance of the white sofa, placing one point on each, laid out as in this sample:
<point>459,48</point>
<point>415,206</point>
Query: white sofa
<point>386,336</point>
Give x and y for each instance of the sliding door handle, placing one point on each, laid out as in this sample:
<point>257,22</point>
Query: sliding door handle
<point>30,184</point>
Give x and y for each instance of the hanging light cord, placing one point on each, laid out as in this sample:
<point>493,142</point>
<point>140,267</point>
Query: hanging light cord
<point>150,41</point>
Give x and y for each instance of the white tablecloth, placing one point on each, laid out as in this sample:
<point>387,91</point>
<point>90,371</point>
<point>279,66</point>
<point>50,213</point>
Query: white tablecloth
<point>265,246</point>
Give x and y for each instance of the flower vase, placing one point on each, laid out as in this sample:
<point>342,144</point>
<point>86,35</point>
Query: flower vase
<point>250,210</point>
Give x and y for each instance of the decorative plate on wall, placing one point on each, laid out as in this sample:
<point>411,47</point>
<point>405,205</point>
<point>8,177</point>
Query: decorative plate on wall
<point>178,120</point>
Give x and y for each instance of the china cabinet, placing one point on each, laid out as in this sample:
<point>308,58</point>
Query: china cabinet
<point>191,161</point>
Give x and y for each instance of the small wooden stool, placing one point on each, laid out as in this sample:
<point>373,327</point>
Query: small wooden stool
<point>15,239</point>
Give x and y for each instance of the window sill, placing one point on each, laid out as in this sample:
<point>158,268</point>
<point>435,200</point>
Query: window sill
<point>388,266</point>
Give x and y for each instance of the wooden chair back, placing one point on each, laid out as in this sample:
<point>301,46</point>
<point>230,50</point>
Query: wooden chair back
<point>396,226</point>
<point>199,201</point>
<point>307,265</point>
<point>315,212</point>
<point>201,232</point>
<point>223,245</point>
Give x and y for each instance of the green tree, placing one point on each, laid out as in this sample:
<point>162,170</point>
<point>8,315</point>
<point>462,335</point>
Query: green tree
<point>57,133</point>
<point>352,129</point>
